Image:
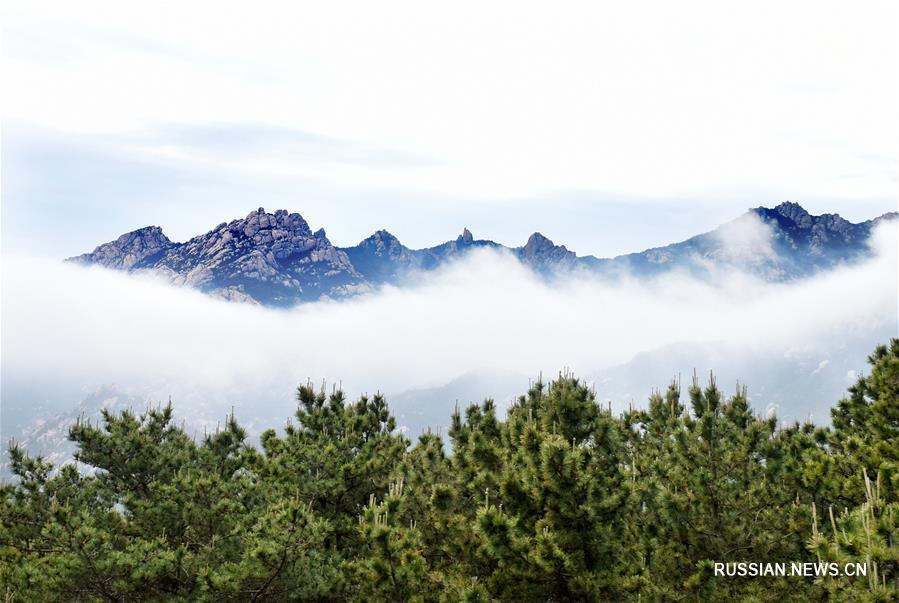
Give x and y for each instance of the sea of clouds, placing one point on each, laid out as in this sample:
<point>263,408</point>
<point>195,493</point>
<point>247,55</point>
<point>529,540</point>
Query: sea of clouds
<point>67,328</point>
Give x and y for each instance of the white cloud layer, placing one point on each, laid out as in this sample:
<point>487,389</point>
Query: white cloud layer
<point>487,312</point>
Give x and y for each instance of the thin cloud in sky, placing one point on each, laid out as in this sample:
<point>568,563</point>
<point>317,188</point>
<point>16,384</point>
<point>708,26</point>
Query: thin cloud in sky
<point>242,139</point>
<point>64,193</point>
<point>509,100</point>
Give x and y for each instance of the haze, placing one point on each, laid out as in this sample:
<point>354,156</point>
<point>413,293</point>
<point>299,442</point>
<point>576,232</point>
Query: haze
<point>87,327</point>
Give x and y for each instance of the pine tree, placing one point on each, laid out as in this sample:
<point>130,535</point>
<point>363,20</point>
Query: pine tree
<point>711,489</point>
<point>160,519</point>
<point>559,500</point>
<point>865,432</point>
<point>391,564</point>
<point>334,460</point>
<point>868,536</point>
<point>861,477</point>
<point>550,495</point>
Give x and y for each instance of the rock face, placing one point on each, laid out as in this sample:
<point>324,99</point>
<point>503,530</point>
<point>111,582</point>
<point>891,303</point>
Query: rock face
<point>277,260</point>
<point>546,257</point>
<point>777,244</point>
<point>381,258</point>
<point>48,433</point>
<point>274,259</point>
<point>435,256</point>
<point>271,259</point>
<point>129,249</point>
<point>827,235</point>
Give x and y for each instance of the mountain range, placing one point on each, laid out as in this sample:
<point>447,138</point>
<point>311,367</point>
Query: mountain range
<point>275,259</point>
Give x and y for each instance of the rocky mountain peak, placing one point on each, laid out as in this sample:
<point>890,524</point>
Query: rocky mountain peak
<point>268,258</point>
<point>382,258</point>
<point>890,215</point>
<point>538,242</point>
<point>541,253</point>
<point>794,212</point>
<point>150,237</point>
<point>384,235</point>
<point>128,250</point>
<point>380,241</point>
<point>281,220</point>
<point>154,232</point>
<point>797,228</point>
<point>276,259</point>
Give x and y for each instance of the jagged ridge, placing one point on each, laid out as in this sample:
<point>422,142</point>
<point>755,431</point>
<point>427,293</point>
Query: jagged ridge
<point>276,259</point>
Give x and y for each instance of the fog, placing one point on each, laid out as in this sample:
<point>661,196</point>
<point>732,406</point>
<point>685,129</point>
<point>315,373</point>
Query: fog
<point>66,326</point>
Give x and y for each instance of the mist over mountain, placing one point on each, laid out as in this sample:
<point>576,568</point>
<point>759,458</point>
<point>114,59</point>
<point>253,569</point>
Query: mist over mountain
<point>46,430</point>
<point>277,260</point>
<point>786,302</point>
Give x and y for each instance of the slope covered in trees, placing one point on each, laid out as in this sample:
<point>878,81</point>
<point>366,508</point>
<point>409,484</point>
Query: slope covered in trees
<point>559,500</point>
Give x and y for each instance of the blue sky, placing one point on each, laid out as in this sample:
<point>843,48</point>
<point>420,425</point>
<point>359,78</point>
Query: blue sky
<point>608,128</point>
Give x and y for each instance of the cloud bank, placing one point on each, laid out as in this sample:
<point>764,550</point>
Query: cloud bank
<point>486,312</point>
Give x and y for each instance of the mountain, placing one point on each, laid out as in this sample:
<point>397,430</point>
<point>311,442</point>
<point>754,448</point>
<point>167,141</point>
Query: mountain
<point>129,250</point>
<point>43,428</point>
<point>778,244</point>
<point>418,410</point>
<point>276,259</point>
<point>272,259</point>
<point>545,257</point>
<point>46,433</point>
<point>381,258</point>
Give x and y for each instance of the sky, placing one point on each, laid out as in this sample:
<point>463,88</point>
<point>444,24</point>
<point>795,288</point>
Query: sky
<point>609,127</point>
